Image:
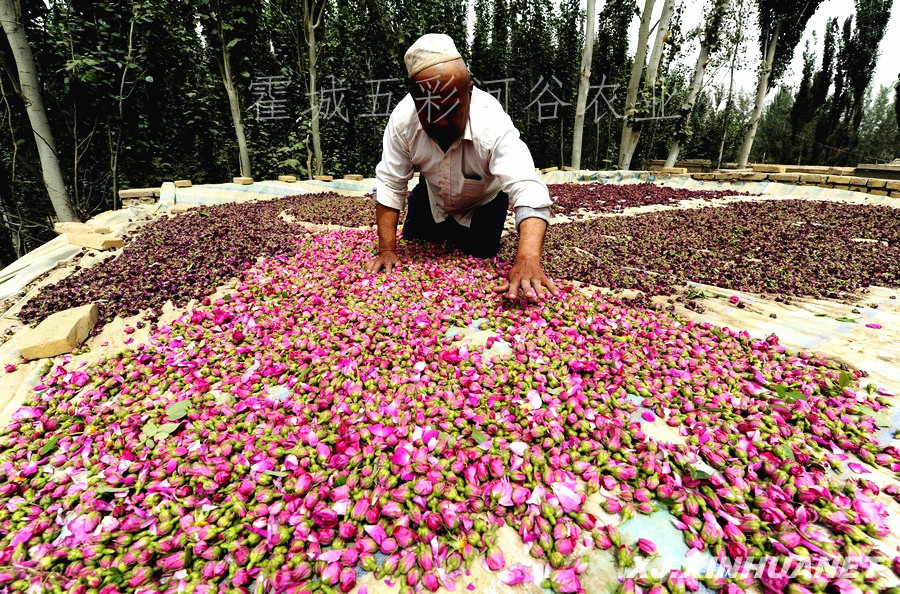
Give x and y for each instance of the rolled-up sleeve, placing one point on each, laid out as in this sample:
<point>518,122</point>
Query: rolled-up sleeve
<point>393,172</point>
<point>512,163</point>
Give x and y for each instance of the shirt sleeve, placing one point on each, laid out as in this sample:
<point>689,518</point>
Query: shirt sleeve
<point>393,172</point>
<point>526,212</point>
<point>512,164</point>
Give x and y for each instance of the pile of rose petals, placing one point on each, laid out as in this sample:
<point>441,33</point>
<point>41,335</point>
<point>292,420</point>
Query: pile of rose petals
<point>318,422</point>
<point>781,247</point>
<point>186,257</point>
<point>574,199</point>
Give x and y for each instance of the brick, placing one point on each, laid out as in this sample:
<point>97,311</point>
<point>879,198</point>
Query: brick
<point>324,178</point>
<point>812,178</point>
<point>877,192</point>
<point>751,176</point>
<point>353,177</point>
<point>242,181</point>
<point>59,333</point>
<point>183,183</point>
<point>61,228</point>
<point>892,185</point>
<point>138,193</point>
<point>674,170</point>
<point>876,183</point>
<point>785,177</point>
<point>287,178</point>
<point>839,179</point>
<point>97,241</point>
<point>763,168</point>
<point>549,169</point>
<point>704,176</point>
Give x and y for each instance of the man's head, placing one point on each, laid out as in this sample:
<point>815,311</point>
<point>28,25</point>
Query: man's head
<point>440,86</point>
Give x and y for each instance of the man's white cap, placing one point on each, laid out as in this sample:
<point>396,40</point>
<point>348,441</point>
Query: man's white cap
<point>428,50</point>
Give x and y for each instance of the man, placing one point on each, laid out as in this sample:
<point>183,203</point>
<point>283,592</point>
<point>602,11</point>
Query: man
<point>473,165</point>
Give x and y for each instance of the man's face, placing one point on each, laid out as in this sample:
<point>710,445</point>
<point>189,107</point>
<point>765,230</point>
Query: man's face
<point>442,94</point>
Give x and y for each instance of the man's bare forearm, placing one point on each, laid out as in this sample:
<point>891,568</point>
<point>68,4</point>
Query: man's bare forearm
<point>531,239</point>
<point>386,218</point>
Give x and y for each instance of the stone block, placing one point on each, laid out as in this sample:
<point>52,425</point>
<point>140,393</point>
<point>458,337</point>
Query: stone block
<point>877,192</point>
<point>59,333</point>
<point>750,176</point>
<point>704,176</point>
<point>857,181</point>
<point>674,170</point>
<point>61,228</point>
<point>549,169</point>
<point>97,241</point>
<point>876,183</point>
<point>138,193</point>
<point>764,168</point>
<point>129,202</point>
<point>843,180</point>
<point>242,181</point>
<point>813,178</point>
<point>567,168</point>
<point>147,199</point>
<point>892,185</point>
<point>183,183</point>
<point>791,178</point>
<point>324,178</point>
<point>354,177</point>
<point>287,178</point>
<point>895,194</point>
<point>859,189</point>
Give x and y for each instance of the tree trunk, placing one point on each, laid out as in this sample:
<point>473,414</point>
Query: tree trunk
<point>310,22</point>
<point>761,89</point>
<point>580,104</point>
<point>116,143</point>
<point>634,82</point>
<point>688,106</point>
<point>233,101</point>
<point>662,33</point>
<point>34,106</point>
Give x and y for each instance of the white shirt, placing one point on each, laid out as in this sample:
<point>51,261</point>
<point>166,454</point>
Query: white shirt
<point>488,158</point>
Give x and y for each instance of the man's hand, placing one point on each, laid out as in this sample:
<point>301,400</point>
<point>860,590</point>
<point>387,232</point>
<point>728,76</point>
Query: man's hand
<point>386,259</point>
<point>527,273</point>
<point>386,220</point>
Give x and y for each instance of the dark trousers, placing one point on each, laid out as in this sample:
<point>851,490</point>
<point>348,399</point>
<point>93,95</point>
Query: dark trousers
<point>481,239</point>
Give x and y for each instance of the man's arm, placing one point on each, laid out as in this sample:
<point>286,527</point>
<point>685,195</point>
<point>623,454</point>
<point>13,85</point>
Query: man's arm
<point>392,174</point>
<point>511,161</point>
<point>527,272</point>
<point>386,219</point>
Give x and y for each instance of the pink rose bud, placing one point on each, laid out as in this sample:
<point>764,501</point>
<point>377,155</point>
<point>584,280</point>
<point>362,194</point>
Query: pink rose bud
<point>647,547</point>
<point>173,562</point>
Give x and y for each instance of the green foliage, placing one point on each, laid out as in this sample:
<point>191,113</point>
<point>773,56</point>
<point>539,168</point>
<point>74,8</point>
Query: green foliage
<point>787,19</point>
<point>774,128</point>
<point>897,106</point>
